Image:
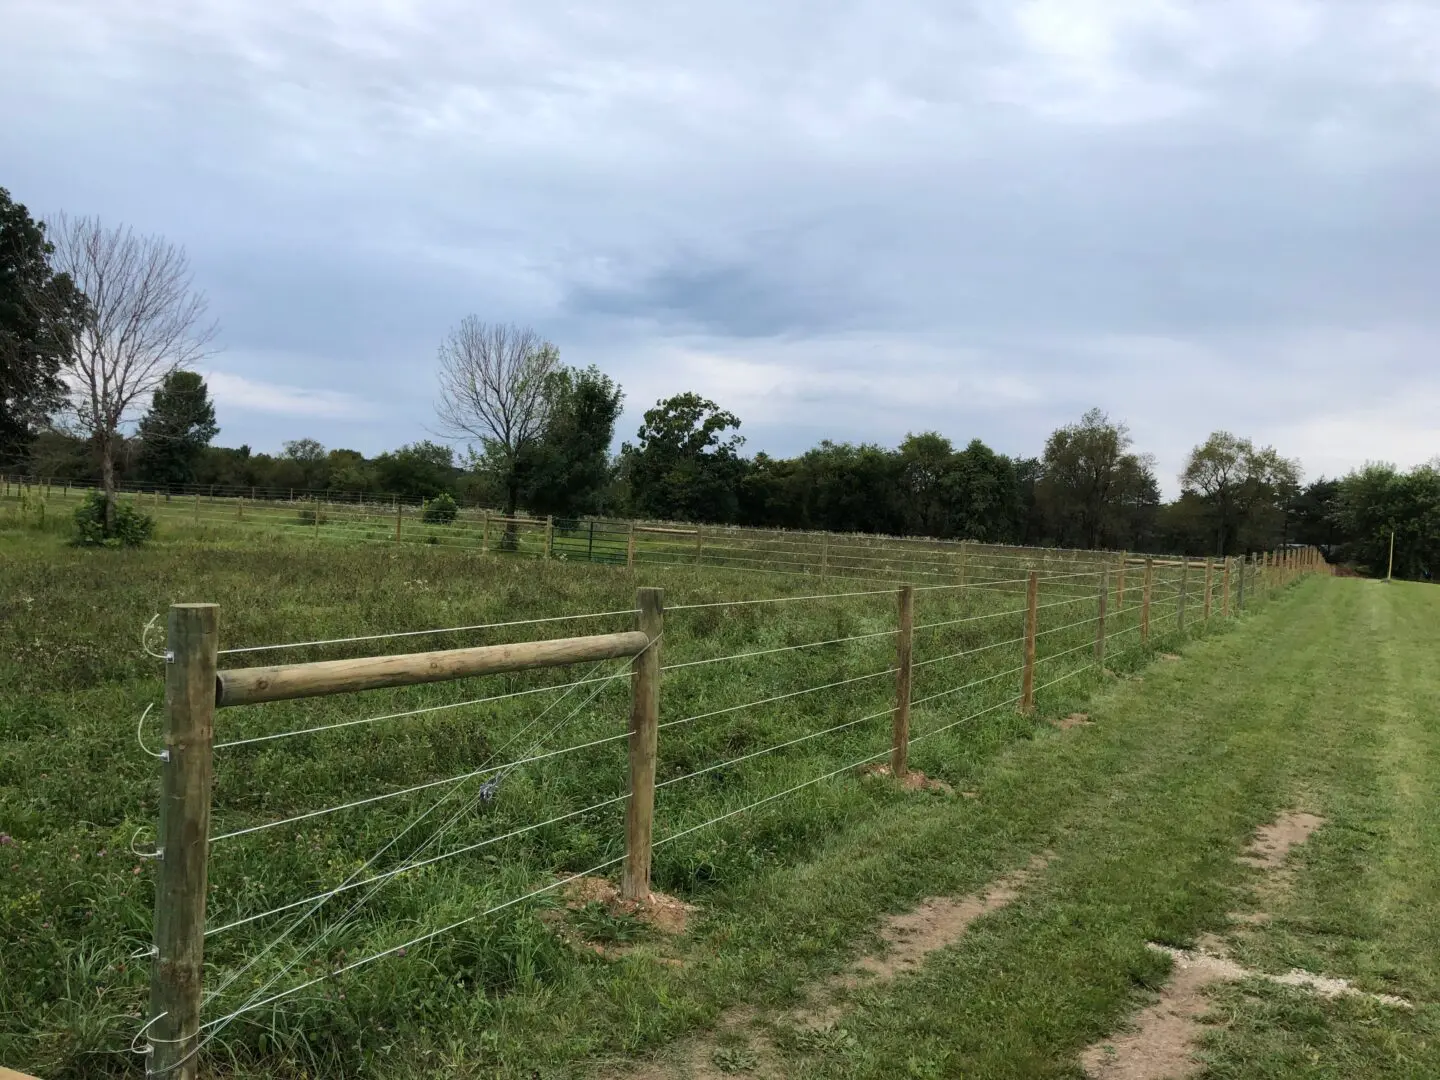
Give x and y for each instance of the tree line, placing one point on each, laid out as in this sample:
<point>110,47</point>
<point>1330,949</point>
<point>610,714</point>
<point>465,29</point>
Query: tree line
<point>97,323</point>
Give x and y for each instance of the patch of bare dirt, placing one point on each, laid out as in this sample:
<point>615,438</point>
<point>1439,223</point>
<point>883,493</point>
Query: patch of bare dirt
<point>1161,1042</point>
<point>913,780</point>
<point>1074,720</point>
<point>740,1044</point>
<point>940,921</point>
<point>1273,842</point>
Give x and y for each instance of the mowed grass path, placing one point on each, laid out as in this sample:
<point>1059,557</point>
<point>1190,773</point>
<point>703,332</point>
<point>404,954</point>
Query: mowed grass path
<point>1323,702</point>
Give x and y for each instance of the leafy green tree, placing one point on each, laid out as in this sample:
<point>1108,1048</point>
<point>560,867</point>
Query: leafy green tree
<point>425,469</point>
<point>1245,490</point>
<point>567,470</point>
<point>685,467</point>
<point>987,493</point>
<point>1379,499</point>
<point>176,430</point>
<point>1093,490</point>
<point>38,312</point>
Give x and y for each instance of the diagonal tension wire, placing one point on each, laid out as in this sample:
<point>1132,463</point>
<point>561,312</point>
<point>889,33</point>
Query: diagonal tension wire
<point>344,919</point>
<point>567,687</point>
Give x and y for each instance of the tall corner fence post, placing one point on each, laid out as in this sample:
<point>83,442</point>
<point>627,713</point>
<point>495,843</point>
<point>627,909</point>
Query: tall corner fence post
<point>182,840</point>
<point>1145,594</point>
<point>644,729</point>
<point>1102,601</point>
<point>630,548</point>
<point>1183,594</point>
<point>1032,619</point>
<point>904,654</point>
<point>1209,587</point>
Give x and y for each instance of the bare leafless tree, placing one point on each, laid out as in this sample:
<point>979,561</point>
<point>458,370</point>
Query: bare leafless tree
<point>494,379</point>
<point>142,320</point>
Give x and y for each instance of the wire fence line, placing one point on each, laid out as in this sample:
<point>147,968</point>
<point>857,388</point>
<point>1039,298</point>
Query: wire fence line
<point>973,669</point>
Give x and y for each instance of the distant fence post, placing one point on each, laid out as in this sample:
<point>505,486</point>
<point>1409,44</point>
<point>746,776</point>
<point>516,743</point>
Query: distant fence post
<point>1184,593</point>
<point>900,719</point>
<point>1225,588</point>
<point>549,535</point>
<point>824,554</point>
<point>1145,600</point>
<point>485,532</point>
<point>240,508</point>
<point>1104,601</point>
<point>197,506</point>
<point>1120,582</point>
<point>699,543</point>
<point>1209,582</point>
<point>644,727</point>
<point>397,520</point>
<point>1032,618</point>
<point>182,841</point>
<point>1240,585</point>
<point>964,560</point>
<point>630,548</point>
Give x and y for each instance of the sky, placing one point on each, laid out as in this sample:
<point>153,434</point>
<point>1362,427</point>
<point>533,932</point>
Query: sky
<point>837,220</point>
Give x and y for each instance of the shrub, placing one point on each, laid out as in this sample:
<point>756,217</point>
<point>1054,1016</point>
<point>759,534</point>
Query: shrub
<point>441,510</point>
<point>130,528</point>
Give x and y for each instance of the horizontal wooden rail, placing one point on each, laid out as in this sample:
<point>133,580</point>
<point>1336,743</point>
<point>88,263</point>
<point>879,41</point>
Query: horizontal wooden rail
<point>668,532</point>
<point>251,686</point>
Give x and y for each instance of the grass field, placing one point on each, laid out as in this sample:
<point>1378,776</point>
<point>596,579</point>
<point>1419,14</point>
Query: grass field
<point>788,890</point>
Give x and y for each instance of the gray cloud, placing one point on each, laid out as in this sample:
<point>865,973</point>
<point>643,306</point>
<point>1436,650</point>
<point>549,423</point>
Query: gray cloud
<point>846,220</point>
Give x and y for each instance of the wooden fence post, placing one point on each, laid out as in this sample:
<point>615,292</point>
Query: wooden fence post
<point>1240,585</point>
<point>197,506</point>
<point>182,841</point>
<point>1209,583</point>
<point>630,549</point>
<point>240,508</point>
<point>549,535</point>
<point>1120,582</point>
<point>1184,593</point>
<point>484,531</point>
<point>900,718</point>
<point>1145,601</point>
<point>824,554</point>
<point>1032,619</point>
<point>1104,601</point>
<point>964,560</point>
<point>644,726</point>
<point>397,520</point>
<point>1225,589</point>
<point>699,544</point>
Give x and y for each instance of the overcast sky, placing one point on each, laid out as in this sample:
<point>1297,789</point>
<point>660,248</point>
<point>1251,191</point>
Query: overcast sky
<point>842,220</point>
